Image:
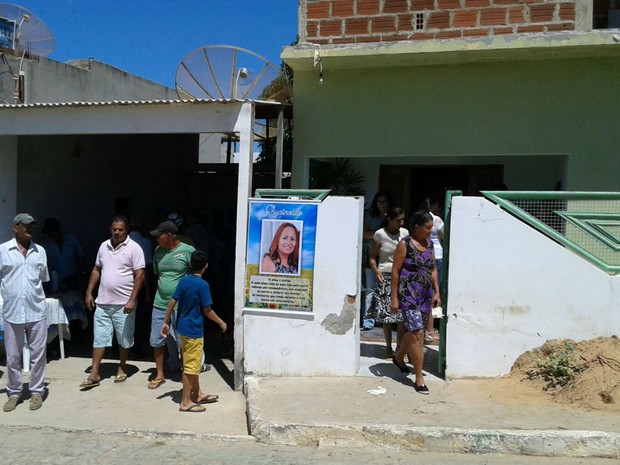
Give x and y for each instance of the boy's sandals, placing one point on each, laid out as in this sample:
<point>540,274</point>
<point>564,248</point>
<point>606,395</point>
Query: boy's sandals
<point>208,399</point>
<point>155,383</point>
<point>192,408</point>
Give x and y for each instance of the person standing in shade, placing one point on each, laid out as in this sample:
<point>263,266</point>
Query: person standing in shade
<point>373,220</point>
<point>119,271</point>
<point>431,205</point>
<point>381,259</point>
<point>23,270</point>
<point>171,261</point>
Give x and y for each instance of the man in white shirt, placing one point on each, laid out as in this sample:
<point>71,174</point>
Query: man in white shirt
<point>23,270</point>
<point>119,271</point>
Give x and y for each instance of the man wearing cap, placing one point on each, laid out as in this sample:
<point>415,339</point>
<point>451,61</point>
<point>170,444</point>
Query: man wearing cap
<point>170,263</point>
<point>119,271</point>
<point>23,270</point>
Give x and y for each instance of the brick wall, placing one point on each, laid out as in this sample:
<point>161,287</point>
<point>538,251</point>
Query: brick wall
<point>359,21</point>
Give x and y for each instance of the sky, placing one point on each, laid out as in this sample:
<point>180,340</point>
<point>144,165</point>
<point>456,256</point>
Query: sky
<point>150,38</point>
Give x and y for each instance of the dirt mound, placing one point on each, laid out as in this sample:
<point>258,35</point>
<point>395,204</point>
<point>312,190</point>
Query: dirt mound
<point>584,374</point>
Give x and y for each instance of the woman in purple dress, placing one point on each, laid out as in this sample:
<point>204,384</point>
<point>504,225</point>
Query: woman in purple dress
<point>415,291</point>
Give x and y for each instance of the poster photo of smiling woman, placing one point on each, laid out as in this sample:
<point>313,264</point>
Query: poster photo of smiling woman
<point>280,245</point>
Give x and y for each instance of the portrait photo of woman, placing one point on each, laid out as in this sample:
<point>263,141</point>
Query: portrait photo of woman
<point>281,255</point>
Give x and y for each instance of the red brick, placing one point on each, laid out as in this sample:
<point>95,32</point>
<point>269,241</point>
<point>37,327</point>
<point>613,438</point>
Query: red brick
<point>448,4</point>
<point>567,11</point>
<point>515,2</point>
<point>312,29</point>
<point>330,28</point>
<point>367,39</point>
<point>475,32</point>
<point>395,38</point>
<point>516,15</point>
<point>465,18</point>
<point>419,5</point>
<point>500,31</point>
<point>317,10</point>
<point>342,8</point>
<point>493,17</point>
<point>405,23</point>
<point>541,13</point>
<point>561,27</point>
<point>356,26</point>
<point>422,36</point>
<point>448,34</point>
<point>321,41</point>
<point>367,7</point>
<point>438,21</point>
<point>395,6</point>
<point>343,40</point>
<point>537,28</point>
<point>476,3</point>
<point>383,24</point>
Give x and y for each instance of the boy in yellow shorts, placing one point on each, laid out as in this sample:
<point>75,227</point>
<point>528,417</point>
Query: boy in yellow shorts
<point>194,297</point>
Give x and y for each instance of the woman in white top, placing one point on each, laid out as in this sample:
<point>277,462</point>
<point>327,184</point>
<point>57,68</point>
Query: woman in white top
<point>431,205</point>
<point>381,259</point>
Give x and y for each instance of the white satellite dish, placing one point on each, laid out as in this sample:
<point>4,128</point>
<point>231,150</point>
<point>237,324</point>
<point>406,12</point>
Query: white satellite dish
<point>23,31</point>
<point>227,72</point>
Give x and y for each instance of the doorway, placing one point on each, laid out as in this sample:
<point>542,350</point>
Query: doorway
<point>410,185</point>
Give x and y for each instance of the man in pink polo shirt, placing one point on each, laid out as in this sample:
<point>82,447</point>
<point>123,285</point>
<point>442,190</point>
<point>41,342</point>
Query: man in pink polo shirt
<point>119,270</point>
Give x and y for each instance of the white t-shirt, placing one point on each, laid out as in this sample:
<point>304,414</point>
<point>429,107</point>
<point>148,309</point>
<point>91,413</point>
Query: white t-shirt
<point>117,271</point>
<point>436,236</point>
<point>387,247</point>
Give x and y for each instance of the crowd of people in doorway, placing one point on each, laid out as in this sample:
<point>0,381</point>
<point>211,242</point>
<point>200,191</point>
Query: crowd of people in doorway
<point>401,276</point>
<point>112,293</point>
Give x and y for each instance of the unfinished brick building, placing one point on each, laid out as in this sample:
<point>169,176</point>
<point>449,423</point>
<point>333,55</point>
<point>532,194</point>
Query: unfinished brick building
<point>363,21</point>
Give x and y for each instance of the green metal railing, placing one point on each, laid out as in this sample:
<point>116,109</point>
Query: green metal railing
<point>297,194</point>
<point>443,285</point>
<point>587,223</point>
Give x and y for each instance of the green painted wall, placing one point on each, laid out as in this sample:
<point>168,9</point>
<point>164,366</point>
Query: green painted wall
<point>568,108</point>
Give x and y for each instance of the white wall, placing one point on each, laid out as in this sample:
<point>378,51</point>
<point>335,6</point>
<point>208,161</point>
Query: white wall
<point>326,341</point>
<point>8,186</point>
<point>511,289</point>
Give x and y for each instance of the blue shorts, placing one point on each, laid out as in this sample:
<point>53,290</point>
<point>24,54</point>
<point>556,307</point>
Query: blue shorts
<point>109,319</point>
<point>157,321</point>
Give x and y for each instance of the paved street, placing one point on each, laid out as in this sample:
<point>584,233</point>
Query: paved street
<point>39,446</point>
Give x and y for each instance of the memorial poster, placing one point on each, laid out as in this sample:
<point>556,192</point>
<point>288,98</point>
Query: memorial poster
<point>280,254</point>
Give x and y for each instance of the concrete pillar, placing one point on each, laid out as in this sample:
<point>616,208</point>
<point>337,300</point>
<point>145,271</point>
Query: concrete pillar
<point>244,125</point>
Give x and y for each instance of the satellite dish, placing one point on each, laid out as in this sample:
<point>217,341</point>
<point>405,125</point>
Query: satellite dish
<point>23,31</point>
<point>227,72</point>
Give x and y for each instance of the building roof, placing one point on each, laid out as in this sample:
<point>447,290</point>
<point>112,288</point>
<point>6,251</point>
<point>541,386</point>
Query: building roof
<point>263,109</point>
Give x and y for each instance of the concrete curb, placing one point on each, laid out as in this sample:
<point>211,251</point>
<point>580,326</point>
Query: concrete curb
<point>141,433</point>
<point>548,443</point>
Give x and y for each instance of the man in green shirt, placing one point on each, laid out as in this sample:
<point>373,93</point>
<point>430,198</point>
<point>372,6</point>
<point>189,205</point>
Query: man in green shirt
<point>170,263</point>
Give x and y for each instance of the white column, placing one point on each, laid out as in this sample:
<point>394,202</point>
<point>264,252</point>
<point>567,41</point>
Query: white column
<point>244,125</point>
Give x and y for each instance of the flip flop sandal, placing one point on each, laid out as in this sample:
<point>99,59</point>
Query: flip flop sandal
<point>120,378</point>
<point>155,383</point>
<point>89,383</point>
<point>208,399</point>
<point>193,409</point>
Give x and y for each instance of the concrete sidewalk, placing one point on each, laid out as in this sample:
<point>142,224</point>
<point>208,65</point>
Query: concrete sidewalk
<point>458,415</point>
<point>130,407</point>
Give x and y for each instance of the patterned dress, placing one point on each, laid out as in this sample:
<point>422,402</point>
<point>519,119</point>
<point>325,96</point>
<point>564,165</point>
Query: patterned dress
<point>380,303</point>
<point>415,286</point>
